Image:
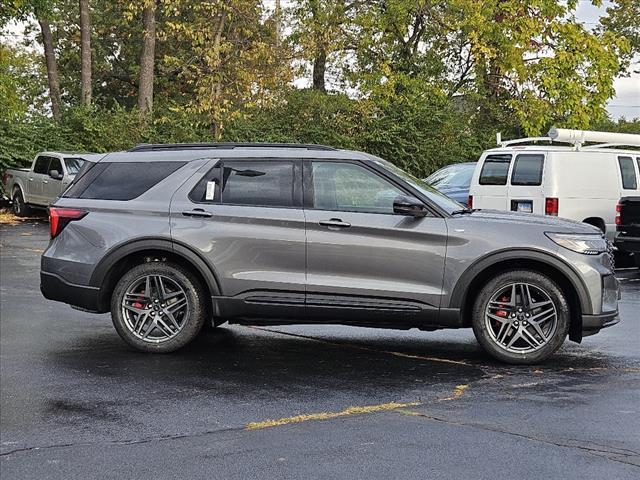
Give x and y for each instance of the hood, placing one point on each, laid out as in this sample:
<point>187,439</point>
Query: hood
<point>551,224</point>
<point>460,194</point>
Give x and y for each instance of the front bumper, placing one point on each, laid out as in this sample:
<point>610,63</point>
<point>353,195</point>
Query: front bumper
<point>56,288</point>
<point>592,324</point>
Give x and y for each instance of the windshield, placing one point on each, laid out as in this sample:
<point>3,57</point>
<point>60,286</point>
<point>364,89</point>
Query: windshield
<point>452,176</point>
<point>447,204</point>
<point>73,165</point>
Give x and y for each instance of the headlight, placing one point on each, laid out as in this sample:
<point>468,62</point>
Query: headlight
<point>589,244</point>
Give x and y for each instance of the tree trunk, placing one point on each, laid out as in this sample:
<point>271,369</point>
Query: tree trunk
<point>278,21</point>
<point>52,69</point>
<point>147,59</point>
<point>85,51</point>
<point>319,70</point>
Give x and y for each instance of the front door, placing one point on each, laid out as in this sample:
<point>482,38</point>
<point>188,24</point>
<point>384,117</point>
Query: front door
<point>52,187</point>
<point>245,217</point>
<point>364,263</point>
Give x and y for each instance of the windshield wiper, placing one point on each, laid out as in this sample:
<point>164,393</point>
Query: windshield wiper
<point>463,210</point>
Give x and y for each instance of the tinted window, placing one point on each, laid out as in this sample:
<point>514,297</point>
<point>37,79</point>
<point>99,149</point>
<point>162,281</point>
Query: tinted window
<point>527,170</point>
<point>73,165</point>
<point>41,165</point>
<point>629,181</point>
<point>452,176</point>
<point>495,170</point>
<point>351,188</point>
<point>55,164</point>
<point>258,183</point>
<point>120,181</point>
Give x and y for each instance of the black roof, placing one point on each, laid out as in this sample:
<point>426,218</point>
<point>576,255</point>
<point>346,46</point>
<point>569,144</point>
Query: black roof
<point>154,147</point>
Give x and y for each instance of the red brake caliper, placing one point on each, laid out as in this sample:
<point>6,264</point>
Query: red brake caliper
<point>502,313</point>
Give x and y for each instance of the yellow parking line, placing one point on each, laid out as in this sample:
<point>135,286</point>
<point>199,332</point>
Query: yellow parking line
<point>457,393</point>
<point>328,415</point>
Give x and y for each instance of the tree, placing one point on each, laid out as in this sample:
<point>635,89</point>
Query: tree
<point>85,49</point>
<point>52,68</point>
<point>147,59</point>
<point>623,19</point>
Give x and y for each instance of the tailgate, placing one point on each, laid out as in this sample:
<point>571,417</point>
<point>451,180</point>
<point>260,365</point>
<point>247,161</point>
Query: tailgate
<point>629,223</point>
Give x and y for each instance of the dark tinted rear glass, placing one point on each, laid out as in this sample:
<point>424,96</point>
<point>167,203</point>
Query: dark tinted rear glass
<point>258,183</point>
<point>495,170</point>
<point>41,165</point>
<point>629,181</point>
<point>120,181</point>
<point>527,170</point>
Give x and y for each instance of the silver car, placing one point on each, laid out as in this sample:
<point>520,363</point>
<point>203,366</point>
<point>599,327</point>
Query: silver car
<point>169,238</point>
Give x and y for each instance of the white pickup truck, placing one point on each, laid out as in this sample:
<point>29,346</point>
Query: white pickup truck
<point>48,177</point>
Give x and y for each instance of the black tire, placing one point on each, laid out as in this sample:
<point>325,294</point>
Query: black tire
<point>193,317</point>
<point>20,208</point>
<point>488,339</point>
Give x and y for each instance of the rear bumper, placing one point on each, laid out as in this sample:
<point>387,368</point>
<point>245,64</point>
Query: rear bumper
<point>56,288</point>
<point>628,244</point>
<point>592,324</point>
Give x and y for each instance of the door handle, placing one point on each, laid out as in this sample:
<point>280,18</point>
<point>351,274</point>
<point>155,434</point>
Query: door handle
<point>196,212</point>
<point>334,222</point>
<point>30,179</point>
<point>45,181</point>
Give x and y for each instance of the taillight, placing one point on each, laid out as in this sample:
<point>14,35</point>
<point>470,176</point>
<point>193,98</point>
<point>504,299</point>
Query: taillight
<point>59,217</point>
<point>618,214</point>
<point>470,201</point>
<point>551,206</point>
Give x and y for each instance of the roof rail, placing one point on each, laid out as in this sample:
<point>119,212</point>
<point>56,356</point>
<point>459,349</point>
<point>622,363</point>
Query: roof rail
<point>522,140</point>
<point>154,147</point>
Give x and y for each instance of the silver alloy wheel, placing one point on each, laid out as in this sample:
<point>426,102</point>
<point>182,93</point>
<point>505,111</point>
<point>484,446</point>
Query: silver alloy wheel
<point>521,318</point>
<point>155,308</point>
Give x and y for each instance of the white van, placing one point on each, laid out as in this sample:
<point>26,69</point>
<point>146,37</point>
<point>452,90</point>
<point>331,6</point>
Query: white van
<point>559,175</point>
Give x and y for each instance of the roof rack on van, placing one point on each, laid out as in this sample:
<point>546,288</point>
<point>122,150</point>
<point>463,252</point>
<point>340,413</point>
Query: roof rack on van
<point>152,147</point>
<point>578,137</point>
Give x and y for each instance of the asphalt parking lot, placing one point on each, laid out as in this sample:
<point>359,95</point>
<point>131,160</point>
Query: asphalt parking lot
<point>302,402</point>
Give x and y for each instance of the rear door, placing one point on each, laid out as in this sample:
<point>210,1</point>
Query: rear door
<point>36,180</point>
<point>245,217</point>
<point>490,189</point>
<point>526,193</point>
<point>364,263</point>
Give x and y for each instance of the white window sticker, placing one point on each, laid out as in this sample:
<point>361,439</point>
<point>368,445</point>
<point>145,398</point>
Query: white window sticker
<point>211,190</point>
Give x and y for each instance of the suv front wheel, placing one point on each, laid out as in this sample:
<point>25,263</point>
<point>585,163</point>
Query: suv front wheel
<point>520,317</point>
<point>158,307</point>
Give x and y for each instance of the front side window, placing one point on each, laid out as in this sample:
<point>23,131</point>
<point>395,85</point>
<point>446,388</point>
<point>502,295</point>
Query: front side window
<point>351,188</point>
<point>41,165</point>
<point>258,183</point>
<point>120,180</point>
<point>55,164</point>
<point>629,181</point>
<point>495,169</point>
<point>527,169</point>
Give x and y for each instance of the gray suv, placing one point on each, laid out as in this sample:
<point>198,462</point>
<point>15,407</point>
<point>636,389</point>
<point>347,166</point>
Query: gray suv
<point>170,237</point>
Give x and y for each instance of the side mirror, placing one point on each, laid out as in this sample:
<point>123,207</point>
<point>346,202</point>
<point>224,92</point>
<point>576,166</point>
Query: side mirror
<point>404,205</point>
<point>55,175</point>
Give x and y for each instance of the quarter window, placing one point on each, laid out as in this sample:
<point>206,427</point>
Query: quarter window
<point>258,183</point>
<point>629,180</point>
<point>41,165</point>
<point>527,170</point>
<point>351,188</point>
<point>495,170</point>
<point>120,180</point>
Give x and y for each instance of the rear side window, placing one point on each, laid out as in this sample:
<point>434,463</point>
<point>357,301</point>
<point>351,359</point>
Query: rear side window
<point>527,169</point>
<point>42,164</point>
<point>495,170</point>
<point>629,180</point>
<point>259,183</point>
<point>120,181</point>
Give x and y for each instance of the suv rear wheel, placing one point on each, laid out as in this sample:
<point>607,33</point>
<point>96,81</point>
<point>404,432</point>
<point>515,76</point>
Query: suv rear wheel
<point>158,307</point>
<point>520,317</point>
